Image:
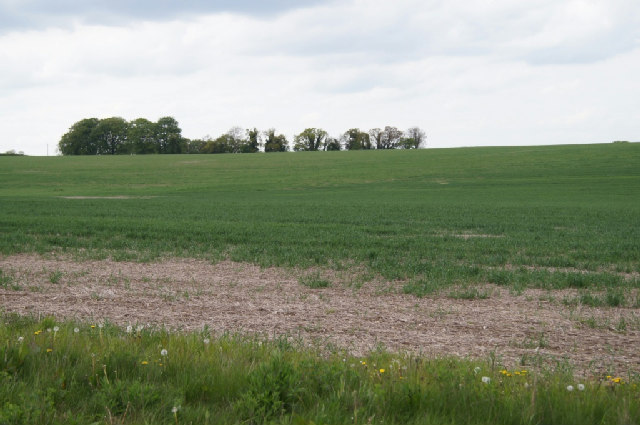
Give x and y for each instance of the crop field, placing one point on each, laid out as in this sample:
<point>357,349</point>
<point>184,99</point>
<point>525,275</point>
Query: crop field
<point>441,261</point>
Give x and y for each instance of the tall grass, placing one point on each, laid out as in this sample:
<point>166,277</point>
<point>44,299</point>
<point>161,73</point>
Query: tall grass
<point>75,373</point>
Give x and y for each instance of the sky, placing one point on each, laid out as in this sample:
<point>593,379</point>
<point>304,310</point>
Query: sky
<point>469,73</point>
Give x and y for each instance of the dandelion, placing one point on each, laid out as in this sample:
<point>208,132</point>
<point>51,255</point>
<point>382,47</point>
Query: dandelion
<point>486,379</point>
<point>617,380</point>
<point>93,326</point>
<point>363,363</point>
<point>49,350</point>
<point>20,339</point>
<point>144,362</point>
<point>37,332</point>
<point>49,330</point>
<point>581,387</point>
<point>139,328</point>
<point>129,329</point>
<point>56,329</point>
<point>381,370</point>
<point>476,370</point>
<point>175,409</point>
<point>163,352</point>
<point>76,330</point>
<point>206,341</point>
<point>100,325</point>
<point>569,388</point>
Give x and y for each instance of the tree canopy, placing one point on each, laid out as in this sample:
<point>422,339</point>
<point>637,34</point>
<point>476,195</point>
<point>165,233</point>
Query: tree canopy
<point>116,136</point>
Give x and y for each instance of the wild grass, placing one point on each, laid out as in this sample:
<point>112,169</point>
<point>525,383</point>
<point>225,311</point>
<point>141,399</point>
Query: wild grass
<point>549,217</point>
<point>76,373</point>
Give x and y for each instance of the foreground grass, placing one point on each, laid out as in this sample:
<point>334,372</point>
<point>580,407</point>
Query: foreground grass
<point>71,373</point>
<point>550,216</point>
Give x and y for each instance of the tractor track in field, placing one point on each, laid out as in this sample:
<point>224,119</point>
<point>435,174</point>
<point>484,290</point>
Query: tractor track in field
<point>187,294</point>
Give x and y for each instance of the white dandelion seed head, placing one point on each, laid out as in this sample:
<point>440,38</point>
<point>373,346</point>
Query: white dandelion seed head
<point>476,369</point>
<point>163,352</point>
<point>206,341</point>
<point>581,387</point>
<point>76,330</point>
<point>175,409</point>
<point>129,329</point>
<point>100,325</point>
<point>569,388</point>
<point>139,328</point>
<point>20,338</point>
<point>56,328</point>
<point>48,329</point>
<point>486,379</point>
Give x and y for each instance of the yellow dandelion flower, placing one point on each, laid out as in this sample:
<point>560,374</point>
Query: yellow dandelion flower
<point>504,371</point>
<point>159,364</point>
<point>617,380</point>
<point>381,370</point>
<point>363,363</point>
<point>144,362</point>
<point>93,326</point>
<point>49,350</point>
<point>516,373</point>
<point>508,374</point>
<point>523,372</point>
<point>609,376</point>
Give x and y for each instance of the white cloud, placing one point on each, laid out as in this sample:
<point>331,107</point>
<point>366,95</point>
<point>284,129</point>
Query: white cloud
<point>489,73</point>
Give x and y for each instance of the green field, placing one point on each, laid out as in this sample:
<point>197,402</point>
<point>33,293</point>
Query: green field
<point>551,217</point>
<point>523,216</point>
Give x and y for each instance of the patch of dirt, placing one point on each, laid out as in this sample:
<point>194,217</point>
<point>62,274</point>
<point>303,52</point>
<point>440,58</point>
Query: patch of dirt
<point>185,294</point>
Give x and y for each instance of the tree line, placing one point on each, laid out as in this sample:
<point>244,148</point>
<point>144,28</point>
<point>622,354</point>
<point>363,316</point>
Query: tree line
<point>117,136</point>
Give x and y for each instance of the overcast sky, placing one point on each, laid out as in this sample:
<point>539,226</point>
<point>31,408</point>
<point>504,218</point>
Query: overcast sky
<point>470,73</point>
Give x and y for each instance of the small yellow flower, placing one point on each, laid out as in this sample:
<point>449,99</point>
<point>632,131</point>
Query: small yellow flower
<point>516,373</point>
<point>381,370</point>
<point>609,376</point>
<point>363,363</point>
<point>159,364</point>
<point>523,372</point>
<point>49,350</point>
<point>617,380</point>
<point>144,362</point>
<point>504,371</point>
<point>37,332</point>
<point>93,326</point>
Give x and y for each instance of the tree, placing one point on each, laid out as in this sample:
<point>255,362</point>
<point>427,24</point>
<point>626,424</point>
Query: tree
<point>376,135</point>
<point>311,139</point>
<point>332,144</point>
<point>169,136</point>
<point>195,146</point>
<point>253,141</point>
<point>354,139</point>
<point>142,136</point>
<point>390,137</point>
<point>275,143</point>
<point>79,139</point>
<point>110,136</point>
<point>414,138</point>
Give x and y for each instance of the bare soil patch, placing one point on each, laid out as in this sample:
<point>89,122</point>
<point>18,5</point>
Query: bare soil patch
<point>185,294</point>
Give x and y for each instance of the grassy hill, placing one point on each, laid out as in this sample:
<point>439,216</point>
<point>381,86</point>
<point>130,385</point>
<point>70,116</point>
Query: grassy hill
<point>511,215</point>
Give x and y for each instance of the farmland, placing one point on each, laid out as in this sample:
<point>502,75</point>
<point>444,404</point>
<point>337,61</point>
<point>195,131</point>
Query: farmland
<point>529,256</point>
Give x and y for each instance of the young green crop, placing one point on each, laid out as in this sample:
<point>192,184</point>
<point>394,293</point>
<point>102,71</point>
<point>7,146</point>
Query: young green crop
<point>550,217</point>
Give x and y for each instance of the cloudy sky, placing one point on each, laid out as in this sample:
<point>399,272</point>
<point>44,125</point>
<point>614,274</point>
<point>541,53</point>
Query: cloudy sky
<point>470,73</point>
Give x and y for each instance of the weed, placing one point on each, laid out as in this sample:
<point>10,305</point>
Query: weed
<point>55,276</point>
<point>314,281</point>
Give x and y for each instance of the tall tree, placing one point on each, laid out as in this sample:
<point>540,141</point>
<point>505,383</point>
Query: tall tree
<point>111,136</point>
<point>79,140</point>
<point>332,144</point>
<point>275,142</point>
<point>142,136</point>
<point>390,137</point>
<point>252,144</point>
<point>169,136</point>
<point>414,138</point>
<point>376,136</point>
<point>311,139</point>
<point>354,139</point>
